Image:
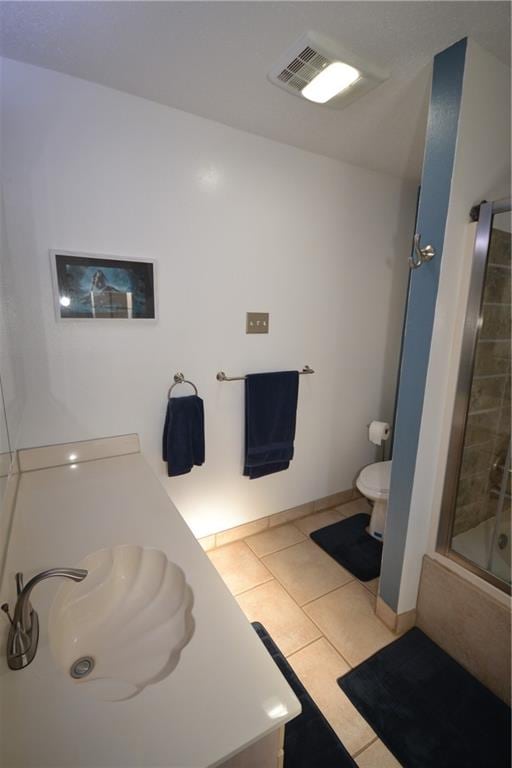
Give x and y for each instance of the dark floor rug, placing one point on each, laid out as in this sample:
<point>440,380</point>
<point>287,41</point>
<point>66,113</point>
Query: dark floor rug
<point>349,544</point>
<point>427,709</point>
<point>309,740</point>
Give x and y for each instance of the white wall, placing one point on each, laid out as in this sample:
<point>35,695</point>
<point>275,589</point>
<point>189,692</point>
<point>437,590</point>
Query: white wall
<point>235,223</point>
<point>481,172</point>
<point>11,364</point>
<point>12,385</point>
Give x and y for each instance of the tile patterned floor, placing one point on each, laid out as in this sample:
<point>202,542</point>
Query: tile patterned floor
<point>320,616</point>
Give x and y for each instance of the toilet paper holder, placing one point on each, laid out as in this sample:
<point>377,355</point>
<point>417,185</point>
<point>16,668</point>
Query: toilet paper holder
<point>378,432</point>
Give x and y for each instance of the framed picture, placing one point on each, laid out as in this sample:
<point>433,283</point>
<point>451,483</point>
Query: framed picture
<point>94,287</point>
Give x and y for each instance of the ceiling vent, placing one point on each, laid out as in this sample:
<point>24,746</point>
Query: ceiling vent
<point>313,53</point>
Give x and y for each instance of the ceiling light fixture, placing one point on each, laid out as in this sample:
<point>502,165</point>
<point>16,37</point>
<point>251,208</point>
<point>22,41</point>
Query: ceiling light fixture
<point>334,79</point>
<point>319,69</point>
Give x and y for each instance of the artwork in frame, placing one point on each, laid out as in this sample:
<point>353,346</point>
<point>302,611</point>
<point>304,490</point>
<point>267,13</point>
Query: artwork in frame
<point>94,287</point>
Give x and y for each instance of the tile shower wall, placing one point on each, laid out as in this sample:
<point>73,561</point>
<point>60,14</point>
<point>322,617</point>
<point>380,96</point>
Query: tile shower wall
<point>488,424</point>
<point>235,223</point>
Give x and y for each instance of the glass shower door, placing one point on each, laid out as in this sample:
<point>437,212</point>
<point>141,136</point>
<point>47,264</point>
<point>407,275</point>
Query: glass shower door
<point>475,527</point>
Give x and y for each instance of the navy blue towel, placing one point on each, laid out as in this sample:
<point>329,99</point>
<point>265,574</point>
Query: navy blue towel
<point>270,415</point>
<point>183,438</point>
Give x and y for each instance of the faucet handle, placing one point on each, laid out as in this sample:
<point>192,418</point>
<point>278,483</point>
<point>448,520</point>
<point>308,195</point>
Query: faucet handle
<point>19,589</point>
<point>5,609</point>
<point>19,583</point>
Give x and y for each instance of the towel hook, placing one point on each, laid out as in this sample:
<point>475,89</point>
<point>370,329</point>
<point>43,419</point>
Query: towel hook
<point>421,254</point>
<point>179,378</point>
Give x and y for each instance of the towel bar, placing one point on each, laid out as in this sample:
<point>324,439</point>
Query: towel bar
<point>221,376</point>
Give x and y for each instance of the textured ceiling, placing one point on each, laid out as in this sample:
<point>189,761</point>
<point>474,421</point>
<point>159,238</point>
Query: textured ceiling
<point>211,59</point>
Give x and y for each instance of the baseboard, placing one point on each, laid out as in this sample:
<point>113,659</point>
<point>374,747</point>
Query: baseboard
<point>229,535</point>
<point>396,622</point>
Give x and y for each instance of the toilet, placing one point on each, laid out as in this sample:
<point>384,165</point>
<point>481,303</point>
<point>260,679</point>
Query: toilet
<point>373,482</point>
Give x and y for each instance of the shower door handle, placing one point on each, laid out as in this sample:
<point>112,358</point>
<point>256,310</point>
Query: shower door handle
<point>421,254</point>
<point>498,468</point>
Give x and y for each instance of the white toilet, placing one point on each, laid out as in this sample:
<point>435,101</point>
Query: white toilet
<point>373,482</point>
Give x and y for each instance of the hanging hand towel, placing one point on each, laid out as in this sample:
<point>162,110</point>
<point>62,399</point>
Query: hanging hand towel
<point>183,438</point>
<point>270,415</point>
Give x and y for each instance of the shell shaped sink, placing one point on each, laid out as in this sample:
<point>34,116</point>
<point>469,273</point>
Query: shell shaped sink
<point>124,626</point>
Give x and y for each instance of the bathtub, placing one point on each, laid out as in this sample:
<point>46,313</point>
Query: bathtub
<point>476,543</point>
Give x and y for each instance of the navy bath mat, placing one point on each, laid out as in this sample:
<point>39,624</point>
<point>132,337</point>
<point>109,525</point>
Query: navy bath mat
<point>349,544</point>
<point>427,709</point>
<point>309,741</point>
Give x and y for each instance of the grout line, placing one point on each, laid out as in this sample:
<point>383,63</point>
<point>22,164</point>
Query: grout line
<point>349,665</point>
<point>480,376</point>
<point>308,602</point>
<point>359,751</point>
<point>323,631</point>
<point>306,645</point>
<point>249,589</point>
<point>340,586</point>
<point>294,602</point>
<point>364,583</point>
<point>490,340</point>
<point>489,442</point>
<point>274,552</point>
<point>480,411</point>
<point>300,609</point>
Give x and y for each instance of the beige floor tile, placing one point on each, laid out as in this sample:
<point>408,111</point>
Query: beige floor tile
<point>347,618</point>
<point>372,585</point>
<point>319,520</point>
<point>306,571</point>
<point>377,756</point>
<point>274,539</point>
<point>288,625</point>
<point>319,666</point>
<point>354,508</point>
<point>239,567</point>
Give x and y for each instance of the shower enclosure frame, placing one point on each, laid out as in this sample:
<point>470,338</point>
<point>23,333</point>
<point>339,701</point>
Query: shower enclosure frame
<point>483,214</point>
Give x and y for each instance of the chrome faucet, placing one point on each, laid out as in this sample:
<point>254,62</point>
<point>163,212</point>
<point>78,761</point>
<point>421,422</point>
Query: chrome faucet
<point>24,631</point>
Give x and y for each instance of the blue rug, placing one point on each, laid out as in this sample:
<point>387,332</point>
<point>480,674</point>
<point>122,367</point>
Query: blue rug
<point>428,711</point>
<point>309,740</point>
<point>349,544</point>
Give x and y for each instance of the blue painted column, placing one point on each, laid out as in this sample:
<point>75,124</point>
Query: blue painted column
<point>441,138</point>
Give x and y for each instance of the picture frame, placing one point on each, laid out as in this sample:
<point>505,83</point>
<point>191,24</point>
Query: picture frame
<point>99,287</point>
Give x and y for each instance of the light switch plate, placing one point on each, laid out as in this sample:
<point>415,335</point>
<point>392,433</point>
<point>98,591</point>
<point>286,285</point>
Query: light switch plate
<point>257,322</point>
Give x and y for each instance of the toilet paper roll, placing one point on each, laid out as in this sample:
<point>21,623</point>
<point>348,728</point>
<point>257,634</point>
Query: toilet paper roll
<point>378,431</point>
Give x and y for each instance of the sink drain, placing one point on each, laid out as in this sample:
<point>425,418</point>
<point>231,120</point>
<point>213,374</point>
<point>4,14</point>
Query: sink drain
<point>81,667</point>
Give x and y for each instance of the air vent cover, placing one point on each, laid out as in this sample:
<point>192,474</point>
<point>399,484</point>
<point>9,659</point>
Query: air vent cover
<point>312,53</point>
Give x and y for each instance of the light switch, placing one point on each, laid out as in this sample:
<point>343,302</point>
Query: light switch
<point>257,322</point>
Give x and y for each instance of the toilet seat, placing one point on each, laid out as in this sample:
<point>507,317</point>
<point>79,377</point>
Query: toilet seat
<point>374,480</point>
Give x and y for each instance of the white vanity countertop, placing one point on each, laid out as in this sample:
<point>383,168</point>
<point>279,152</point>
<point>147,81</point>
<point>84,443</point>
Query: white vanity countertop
<point>226,691</point>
